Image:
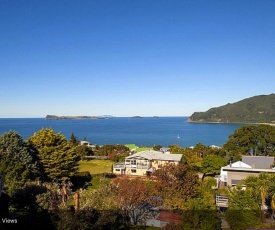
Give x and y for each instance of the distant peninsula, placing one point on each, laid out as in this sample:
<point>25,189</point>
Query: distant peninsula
<point>54,117</point>
<point>257,109</point>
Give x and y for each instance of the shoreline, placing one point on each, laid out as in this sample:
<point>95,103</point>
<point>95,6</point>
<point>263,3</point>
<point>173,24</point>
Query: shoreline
<point>218,122</point>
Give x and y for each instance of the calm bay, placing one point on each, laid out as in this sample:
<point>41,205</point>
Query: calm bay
<point>147,131</point>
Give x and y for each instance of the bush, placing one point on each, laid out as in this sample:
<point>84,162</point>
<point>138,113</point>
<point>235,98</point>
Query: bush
<point>110,175</point>
<point>243,219</point>
<point>201,219</point>
<point>81,179</point>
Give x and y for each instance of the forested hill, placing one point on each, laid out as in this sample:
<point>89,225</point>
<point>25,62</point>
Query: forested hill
<point>257,109</point>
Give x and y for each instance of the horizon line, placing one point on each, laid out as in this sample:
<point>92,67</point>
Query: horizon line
<point>146,116</point>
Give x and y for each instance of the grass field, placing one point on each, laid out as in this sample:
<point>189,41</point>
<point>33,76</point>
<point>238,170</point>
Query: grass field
<point>142,149</point>
<point>136,148</point>
<point>96,166</point>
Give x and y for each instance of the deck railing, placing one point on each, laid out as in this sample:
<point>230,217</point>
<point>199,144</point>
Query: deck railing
<point>221,201</point>
<point>119,166</point>
<point>134,166</point>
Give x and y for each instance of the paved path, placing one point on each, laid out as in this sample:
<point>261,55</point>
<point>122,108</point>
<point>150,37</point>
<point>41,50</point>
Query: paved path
<point>225,225</point>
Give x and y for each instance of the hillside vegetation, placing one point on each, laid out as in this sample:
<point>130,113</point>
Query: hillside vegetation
<point>257,109</point>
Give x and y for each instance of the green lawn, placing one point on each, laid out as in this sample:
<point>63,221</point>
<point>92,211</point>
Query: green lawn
<point>131,146</point>
<point>136,148</point>
<point>96,166</point>
<point>142,149</point>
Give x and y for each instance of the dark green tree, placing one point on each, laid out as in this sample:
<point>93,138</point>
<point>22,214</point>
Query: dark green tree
<point>212,164</point>
<point>73,140</point>
<point>259,140</point>
<point>157,147</point>
<point>82,151</point>
<point>17,160</point>
<point>108,149</point>
<point>57,156</point>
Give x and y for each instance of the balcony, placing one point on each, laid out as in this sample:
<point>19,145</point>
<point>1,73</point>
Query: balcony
<point>133,166</point>
<point>137,166</point>
<point>119,166</point>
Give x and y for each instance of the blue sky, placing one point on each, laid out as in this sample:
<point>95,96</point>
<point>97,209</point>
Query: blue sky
<point>133,57</point>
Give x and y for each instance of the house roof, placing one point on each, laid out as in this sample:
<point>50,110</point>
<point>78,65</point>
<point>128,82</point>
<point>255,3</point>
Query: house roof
<point>251,170</point>
<point>170,217</point>
<point>259,162</point>
<point>156,155</point>
<point>239,164</point>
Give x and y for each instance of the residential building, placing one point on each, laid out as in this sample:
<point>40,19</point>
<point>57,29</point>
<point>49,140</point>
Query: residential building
<point>237,175</point>
<point>87,143</point>
<point>222,179</point>
<point>234,173</point>
<point>145,162</point>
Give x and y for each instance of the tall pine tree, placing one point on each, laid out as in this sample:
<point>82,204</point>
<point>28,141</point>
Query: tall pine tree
<point>57,156</point>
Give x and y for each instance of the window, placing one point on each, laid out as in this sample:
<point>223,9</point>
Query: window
<point>133,170</point>
<point>117,170</point>
<point>235,182</point>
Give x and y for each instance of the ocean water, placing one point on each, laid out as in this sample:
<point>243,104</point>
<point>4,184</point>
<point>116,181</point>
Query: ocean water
<point>146,131</point>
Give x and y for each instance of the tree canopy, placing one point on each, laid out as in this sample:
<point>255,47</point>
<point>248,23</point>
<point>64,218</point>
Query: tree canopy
<point>57,156</point>
<point>175,184</point>
<point>17,160</point>
<point>212,164</point>
<point>105,150</point>
<point>258,140</point>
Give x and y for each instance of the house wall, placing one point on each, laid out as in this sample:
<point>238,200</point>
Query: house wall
<point>135,172</point>
<point>232,177</point>
<point>141,171</point>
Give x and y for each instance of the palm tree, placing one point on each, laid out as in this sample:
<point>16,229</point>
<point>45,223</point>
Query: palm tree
<point>261,184</point>
<point>264,185</point>
<point>272,193</point>
<point>273,204</point>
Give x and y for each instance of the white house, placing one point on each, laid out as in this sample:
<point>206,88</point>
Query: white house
<point>234,173</point>
<point>223,178</point>
<point>142,163</point>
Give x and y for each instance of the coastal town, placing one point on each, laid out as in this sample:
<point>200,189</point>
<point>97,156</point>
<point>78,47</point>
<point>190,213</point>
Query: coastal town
<point>151,187</point>
<point>137,115</point>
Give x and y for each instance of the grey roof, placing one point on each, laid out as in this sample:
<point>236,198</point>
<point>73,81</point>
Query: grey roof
<point>156,155</point>
<point>259,162</point>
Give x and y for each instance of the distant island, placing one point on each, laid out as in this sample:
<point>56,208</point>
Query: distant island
<point>54,117</point>
<point>137,117</point>
<point>257,109</point>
